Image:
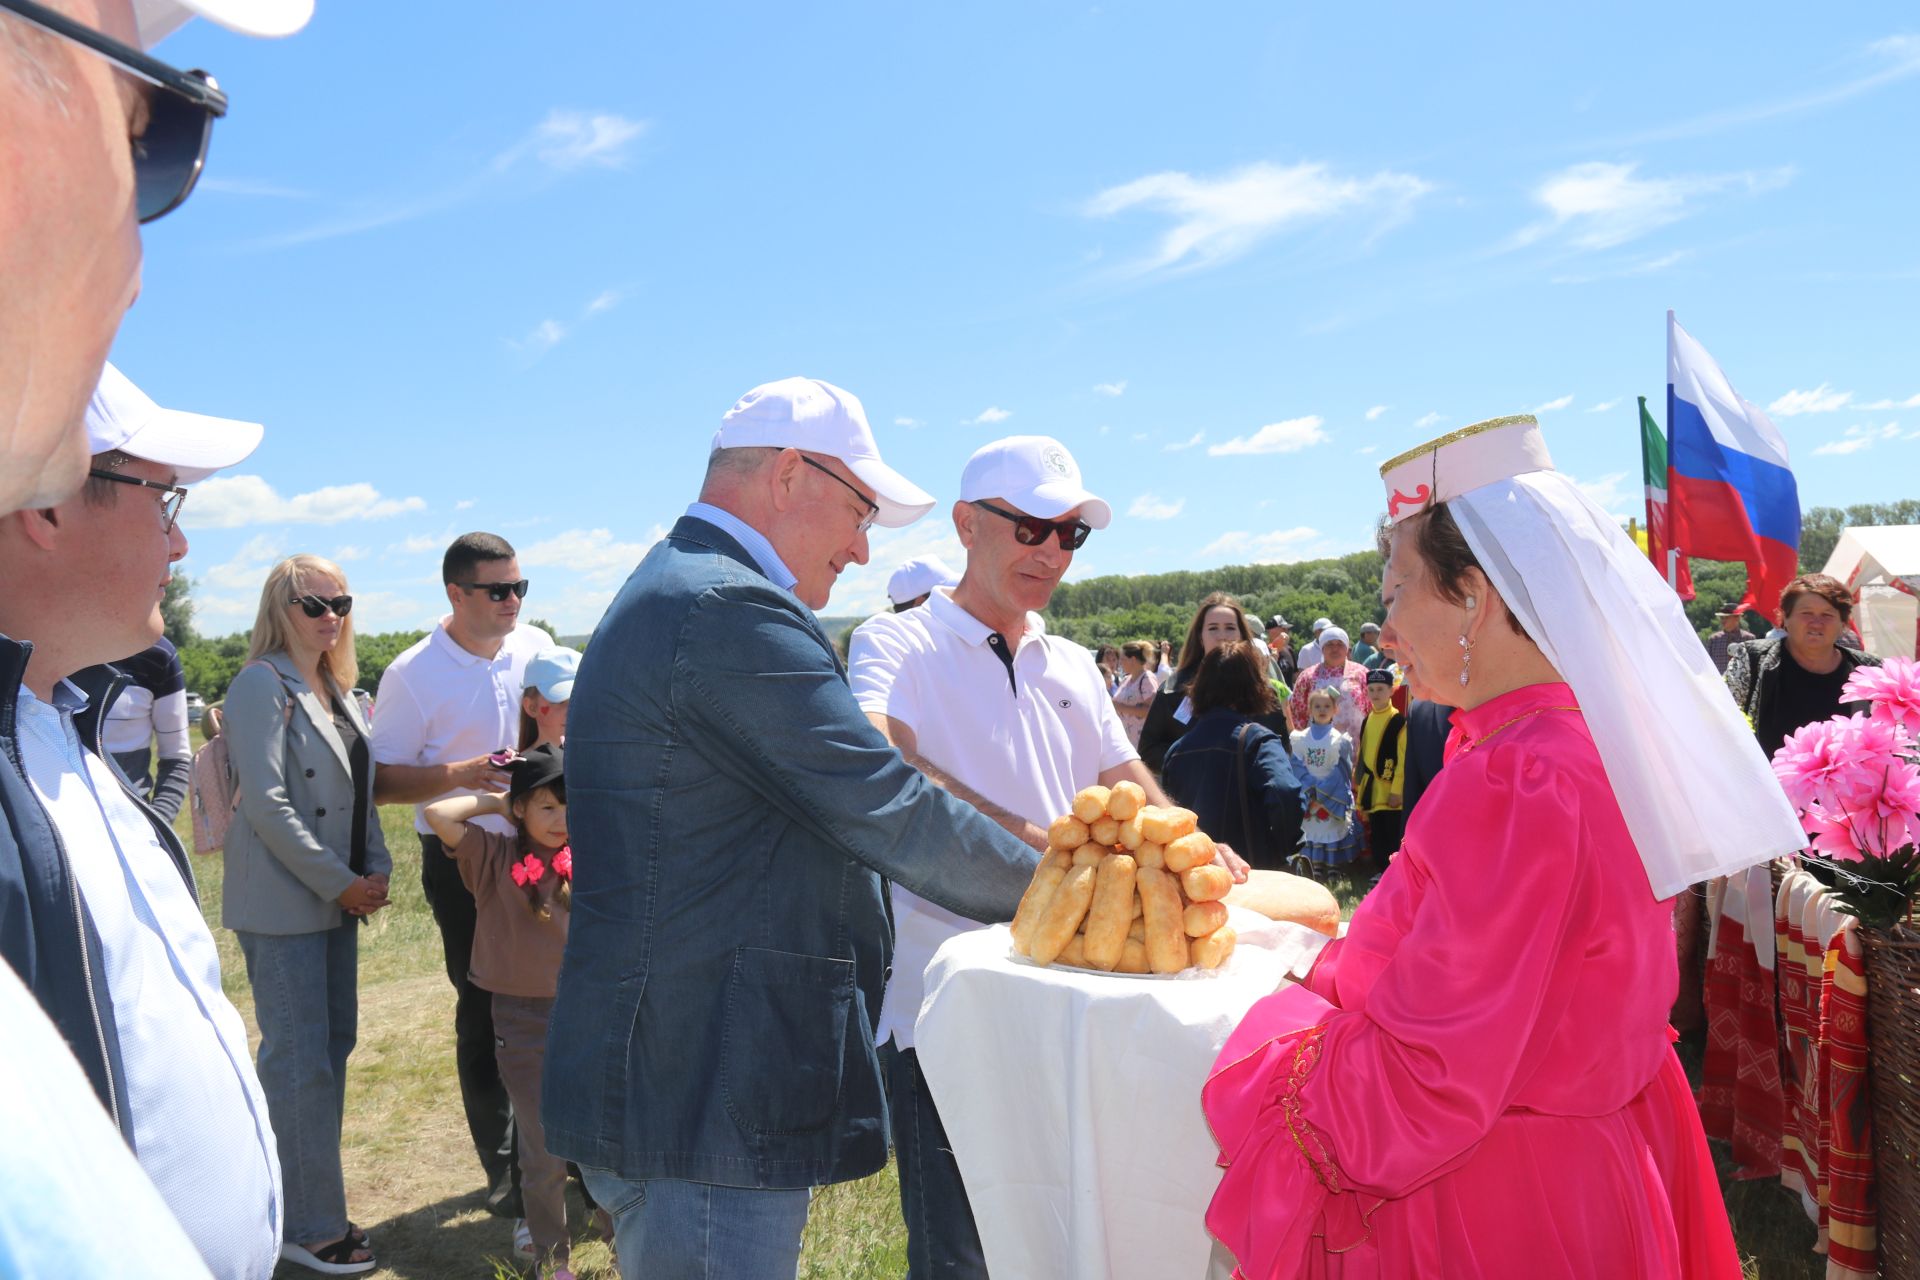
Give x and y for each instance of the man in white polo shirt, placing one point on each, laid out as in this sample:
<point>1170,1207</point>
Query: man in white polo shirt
<point>973,691</point>
<point>445,706</point>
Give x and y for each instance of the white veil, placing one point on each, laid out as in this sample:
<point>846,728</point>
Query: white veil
<point>1698,796</point>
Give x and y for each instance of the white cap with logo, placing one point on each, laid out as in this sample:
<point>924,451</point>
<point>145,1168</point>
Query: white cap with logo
<point>818,417</point>
<point>1035,474</point>
<point>121,416</point>
<point>917,577</point>
<point>158,19</point>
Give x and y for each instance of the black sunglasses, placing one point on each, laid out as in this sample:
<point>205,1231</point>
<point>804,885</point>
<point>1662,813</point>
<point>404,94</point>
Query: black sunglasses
<point>314,606</point>
<point>1031,531</point>
<point>497,591</point>
<point>170,152</point>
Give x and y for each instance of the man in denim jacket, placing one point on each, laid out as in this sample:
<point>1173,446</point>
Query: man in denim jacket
<point>734,820</point>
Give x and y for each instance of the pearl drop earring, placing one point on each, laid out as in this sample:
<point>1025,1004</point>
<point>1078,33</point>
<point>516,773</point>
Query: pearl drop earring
<point>1466,659</point>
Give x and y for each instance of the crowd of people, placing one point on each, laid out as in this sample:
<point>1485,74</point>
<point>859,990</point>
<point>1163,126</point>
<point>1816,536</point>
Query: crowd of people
<point>709,1011</point>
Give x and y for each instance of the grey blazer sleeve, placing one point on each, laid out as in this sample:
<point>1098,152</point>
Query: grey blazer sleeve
<point>257,745</point>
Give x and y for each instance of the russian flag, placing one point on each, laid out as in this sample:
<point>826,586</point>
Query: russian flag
<point>1730,490</point>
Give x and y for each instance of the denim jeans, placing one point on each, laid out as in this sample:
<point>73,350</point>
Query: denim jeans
<point>306,1000</point>
<point>941,1238</point>
<point>666,1229</point>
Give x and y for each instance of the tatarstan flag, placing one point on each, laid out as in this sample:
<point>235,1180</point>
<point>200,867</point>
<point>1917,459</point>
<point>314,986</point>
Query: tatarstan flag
<point>1653,459</point>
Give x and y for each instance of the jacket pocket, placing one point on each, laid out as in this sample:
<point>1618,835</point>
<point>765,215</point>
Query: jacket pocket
<point>785,1040</point>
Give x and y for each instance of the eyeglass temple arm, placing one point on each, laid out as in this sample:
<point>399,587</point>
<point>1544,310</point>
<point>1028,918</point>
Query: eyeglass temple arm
<point>194,87</point>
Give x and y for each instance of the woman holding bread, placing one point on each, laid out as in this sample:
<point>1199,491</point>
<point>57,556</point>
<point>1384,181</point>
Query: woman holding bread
<point>1478,1079</point>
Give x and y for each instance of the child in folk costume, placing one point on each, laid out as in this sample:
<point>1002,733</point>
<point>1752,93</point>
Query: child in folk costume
<point>1382,765</point>
<point>522,889</point>
<point>1329,836</point>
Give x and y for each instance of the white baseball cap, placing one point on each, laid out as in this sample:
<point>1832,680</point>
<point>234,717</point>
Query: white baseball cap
<point>1321,624</point>
<point>1035,474</point>
<point>158,19</point>
<point>806,413</point>
<point>122,416</point>
<point>917,577</point>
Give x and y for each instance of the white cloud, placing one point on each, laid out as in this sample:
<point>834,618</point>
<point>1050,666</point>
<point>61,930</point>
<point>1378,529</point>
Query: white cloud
<point>1281,546</point>
<point>545,336</point>
<point>1611,493</point>
<point>988,416</point>
<point>1373,414</point>
<point>1111,388</point>
<point>1290,436</point>
<point>1107,429</point>
<point>607,301</point>
<point>1552,406</point>
<point>1822,399</point>
<point>343,555</point>
<point>596,555</point>
<point>1605,406</point>
<point>463,504</point>
<point>228,502</point>
<point>420,544</point>
<point>1190,442</point>
<point>1911,402</point>
<point>906,422</point>
<point>1367,451</point>
<point>1858,438</point>
<point>1217,219</point>
<point>1426,420</point>
<point>1598,205</point>
<point>568,140</point>
<point>1152,507</point>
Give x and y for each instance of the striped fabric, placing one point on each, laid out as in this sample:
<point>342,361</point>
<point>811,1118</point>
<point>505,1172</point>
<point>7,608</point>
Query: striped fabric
<point>1847,1128</point>
<point>1740,1096</point>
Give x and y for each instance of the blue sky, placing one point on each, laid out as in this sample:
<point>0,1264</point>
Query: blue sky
<point>504,266</point>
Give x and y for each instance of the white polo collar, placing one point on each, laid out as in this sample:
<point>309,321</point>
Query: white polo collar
<point>969,628</point>
<point>452,648</point>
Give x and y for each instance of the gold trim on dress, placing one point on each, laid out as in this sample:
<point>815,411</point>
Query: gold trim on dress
<point>1454,436</point>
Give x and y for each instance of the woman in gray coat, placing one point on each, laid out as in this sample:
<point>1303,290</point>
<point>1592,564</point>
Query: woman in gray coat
<point>305,866</point>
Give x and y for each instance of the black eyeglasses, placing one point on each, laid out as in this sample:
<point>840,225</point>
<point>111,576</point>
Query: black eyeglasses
<point>1031,531</point>
<point>873,508</point>
<point>169,153</point>
<point>497,591</point>
<point>169,505</point>
<point>314,606</point>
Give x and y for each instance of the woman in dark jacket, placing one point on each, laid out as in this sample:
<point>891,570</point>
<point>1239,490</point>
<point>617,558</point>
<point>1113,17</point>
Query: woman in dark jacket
<point>1233,772</point>
<point>1795,681</point>
<point>1218,620</point>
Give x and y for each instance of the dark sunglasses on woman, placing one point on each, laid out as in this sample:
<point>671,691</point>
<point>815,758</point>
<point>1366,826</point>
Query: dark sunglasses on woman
<point>497,591</point>
<point>1031,531</point>
<point>181,107</point>
<point>314,606</point>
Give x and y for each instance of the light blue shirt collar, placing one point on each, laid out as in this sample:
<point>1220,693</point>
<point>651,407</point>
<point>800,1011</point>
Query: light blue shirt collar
<point>749,537</point>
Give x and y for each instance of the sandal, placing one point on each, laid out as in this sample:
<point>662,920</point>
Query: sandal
<point>335,1259</point>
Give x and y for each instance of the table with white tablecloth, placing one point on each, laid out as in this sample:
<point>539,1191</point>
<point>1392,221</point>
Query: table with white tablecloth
<point>1072,1100</point>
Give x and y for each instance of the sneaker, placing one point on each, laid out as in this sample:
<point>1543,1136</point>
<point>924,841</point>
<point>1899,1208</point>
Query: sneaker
<point>522,1240</point>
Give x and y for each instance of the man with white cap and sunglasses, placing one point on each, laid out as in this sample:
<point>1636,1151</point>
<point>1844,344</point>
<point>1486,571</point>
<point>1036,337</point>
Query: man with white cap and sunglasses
<point>913,582</point>
<point>98,914</point>
<point>96,136</point>
<point>976,694</point>
<point>734,819</point>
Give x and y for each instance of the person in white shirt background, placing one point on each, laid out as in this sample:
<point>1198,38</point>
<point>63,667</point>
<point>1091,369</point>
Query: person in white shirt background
<point>915,580</point>
<point>973,691</point>
<point>445,706</point>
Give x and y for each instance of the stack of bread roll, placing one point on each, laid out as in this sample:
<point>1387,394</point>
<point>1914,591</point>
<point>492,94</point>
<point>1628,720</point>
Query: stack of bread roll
<point>1126,887</point>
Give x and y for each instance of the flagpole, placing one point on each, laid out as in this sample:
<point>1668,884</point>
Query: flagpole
<point>1672,566</point>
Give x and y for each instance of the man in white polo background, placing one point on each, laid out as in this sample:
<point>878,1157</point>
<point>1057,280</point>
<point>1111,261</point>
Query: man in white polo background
<point>976,694</point>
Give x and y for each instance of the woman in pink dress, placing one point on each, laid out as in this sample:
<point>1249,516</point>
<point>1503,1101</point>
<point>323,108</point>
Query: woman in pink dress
<point>1478,1079</point>
<point>1336,671</point>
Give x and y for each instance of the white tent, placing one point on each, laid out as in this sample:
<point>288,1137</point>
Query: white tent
<point>1881,566</point>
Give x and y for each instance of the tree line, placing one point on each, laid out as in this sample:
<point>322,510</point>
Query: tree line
<point>1120,607</point>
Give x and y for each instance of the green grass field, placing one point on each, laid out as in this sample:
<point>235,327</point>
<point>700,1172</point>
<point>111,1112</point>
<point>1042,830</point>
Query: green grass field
<point>414,1182</point>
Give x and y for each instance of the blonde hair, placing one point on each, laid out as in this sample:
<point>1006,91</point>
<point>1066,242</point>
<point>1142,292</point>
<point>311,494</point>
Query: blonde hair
<point>273,630</point>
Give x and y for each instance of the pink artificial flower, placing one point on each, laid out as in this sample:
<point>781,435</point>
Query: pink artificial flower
<point>1876,744</point>
<point>1893,689</point>
<point>1816,762</point>
<point>563,862</point>
<point>1889,817</point>
<point>1832,835</point>
<point>519,874</point>
<point>534,869</point>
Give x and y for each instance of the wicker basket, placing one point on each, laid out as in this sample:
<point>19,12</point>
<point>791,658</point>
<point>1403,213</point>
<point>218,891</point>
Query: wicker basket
<point>1893,1038</point>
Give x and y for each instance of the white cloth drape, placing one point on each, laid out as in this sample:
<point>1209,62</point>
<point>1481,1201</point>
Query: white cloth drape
<point>1696,792</point>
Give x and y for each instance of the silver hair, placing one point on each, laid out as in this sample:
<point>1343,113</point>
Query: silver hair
<point>35,56</point>
<point>731,464</point>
